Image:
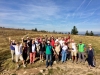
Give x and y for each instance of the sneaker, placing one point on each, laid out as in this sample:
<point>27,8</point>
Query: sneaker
<point>46,66</point>
<point>24,66</point>
<point>17,66</point>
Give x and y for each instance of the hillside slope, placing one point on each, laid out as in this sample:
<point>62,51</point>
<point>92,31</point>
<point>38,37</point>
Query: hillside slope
<point>5,57</point>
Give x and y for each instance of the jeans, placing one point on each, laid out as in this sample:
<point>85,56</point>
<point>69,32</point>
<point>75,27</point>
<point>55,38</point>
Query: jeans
<point>48,60</point>
<point>64,55</point>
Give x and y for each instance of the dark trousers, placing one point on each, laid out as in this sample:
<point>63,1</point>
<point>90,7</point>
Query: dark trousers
<point>90,60</point>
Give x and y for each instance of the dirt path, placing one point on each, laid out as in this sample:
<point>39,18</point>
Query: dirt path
<point>67,68</point>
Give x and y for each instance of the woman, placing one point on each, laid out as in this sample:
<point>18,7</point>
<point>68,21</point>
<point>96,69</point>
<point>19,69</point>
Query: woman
<point>25,51</point>
<point>12,43</point>
<point>90,54</point>
<point>32,52</point>
<point>64,52</point>
<point>57,51</point>
<point>42,50</point>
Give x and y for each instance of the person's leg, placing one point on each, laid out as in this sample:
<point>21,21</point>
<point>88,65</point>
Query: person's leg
<point>12,54</point>
<point>31,56</point>
<point>34,53</point>
<point>65,56</point>
<point>28,54</point>
<point>72,54</point>
<point>42,56</point>
<point>83,58</point>
<point>47,57</point>
<point>17,57</point>
<point>89,61</point>
<point>75,54</point>
<point>79,59</point>
<point>21,58</point>
<point>62,56</point>
<point>50,60</point>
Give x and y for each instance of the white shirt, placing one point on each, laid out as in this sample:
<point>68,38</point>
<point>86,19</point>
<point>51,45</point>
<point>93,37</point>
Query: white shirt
<point>18,49</point>
<point>61,42</point>
<point>64,48</point>
<point>56,40</point>
<point>74,46</point>
<point>33,48</point>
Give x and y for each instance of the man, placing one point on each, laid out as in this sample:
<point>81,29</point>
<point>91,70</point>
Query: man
<point>18,53</point>
<point>81,50</point>
<point>48,54</point>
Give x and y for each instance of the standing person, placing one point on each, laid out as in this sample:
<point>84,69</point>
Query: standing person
<point>69,44</point>
<point>52,42</point>
<point>29,46</point>
<point>42,50</point>
<point>25,52</point>
<point>64,52</point>
<point>61,41</point>
<point>12,42</point>
<point>90,54</point>
<point>74,51</point>
<point>37,46</point>
<point>57,51</point>
<point>81,50</point>
<point>18,54</point>
<point>48,54</point>
<point>32,51</point>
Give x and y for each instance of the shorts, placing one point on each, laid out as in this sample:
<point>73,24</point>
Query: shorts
<point>19,57</point>
<point>73,53</point>
<point>41,52</point>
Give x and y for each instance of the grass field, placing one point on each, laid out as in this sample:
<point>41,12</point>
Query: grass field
<point>5,57</point>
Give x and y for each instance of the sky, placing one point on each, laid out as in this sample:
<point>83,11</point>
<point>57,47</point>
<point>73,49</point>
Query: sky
<point>58,15</point>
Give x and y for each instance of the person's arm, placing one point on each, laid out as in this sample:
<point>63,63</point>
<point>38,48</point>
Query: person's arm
<point>24,40</point>
<point>94,54</point>
<point>10,41</point>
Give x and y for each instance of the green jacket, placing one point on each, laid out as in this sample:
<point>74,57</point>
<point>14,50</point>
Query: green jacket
<point>48,49</point>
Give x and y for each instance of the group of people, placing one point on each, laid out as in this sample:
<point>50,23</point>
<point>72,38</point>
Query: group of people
<point>51,49</point>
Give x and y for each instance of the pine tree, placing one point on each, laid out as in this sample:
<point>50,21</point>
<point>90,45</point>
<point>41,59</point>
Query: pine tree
<point>87,33</point>
<point>74,31</point>
<point>91,33</point>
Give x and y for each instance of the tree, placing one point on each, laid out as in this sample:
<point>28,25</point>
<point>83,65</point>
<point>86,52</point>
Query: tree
<point>87,33</point>
<point>91,33</point>
<point>74,31</point>
<point>35,29</point>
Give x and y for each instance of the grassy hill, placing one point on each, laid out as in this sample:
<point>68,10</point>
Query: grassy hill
<point>5,57</point>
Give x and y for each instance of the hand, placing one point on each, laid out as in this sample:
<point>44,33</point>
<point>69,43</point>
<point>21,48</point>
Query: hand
<point>9,38</point>
<point>22,38</point>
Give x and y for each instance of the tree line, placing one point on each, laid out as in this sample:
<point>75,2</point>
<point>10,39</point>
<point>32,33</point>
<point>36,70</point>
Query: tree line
<point>74,31</point>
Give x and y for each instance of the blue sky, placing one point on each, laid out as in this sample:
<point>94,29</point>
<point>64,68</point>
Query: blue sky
<point>58,15</point>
